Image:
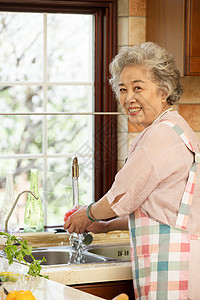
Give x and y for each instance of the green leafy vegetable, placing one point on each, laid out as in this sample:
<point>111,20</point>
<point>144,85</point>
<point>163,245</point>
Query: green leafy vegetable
<point>13,252</point>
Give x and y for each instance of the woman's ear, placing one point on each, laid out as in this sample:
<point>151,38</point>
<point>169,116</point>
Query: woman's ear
<point>164,94</point>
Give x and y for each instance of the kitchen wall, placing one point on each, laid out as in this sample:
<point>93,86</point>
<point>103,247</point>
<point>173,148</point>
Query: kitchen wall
<point>131,30</point>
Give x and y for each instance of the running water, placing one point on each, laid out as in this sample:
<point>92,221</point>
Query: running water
<point>76,248</point>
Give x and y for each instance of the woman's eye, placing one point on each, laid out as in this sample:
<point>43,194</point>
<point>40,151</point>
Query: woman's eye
<point>137,88</point>
<point>122,90</point>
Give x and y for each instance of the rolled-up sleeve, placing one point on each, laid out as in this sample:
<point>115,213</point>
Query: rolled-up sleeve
<point>134,182</point>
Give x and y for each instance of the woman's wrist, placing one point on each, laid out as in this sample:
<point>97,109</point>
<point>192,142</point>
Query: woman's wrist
<point>89,213</point>
<point>107,226</point>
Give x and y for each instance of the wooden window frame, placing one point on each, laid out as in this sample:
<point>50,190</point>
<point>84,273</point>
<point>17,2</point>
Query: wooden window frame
<point>105,157</point>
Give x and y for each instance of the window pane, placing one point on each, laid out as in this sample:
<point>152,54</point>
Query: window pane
<point>21,46</point>
<point>21,98</point>
<point>21,135</point>
<point>70,98</point>
<point>69,47</point>
<point>69,134</point>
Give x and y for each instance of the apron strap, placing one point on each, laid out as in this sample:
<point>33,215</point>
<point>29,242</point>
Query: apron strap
<point>186,201</point>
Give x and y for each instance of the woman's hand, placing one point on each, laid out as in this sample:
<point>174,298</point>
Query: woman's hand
<point>98,227</point>
<point>78,222</point>
<point>111,225</point>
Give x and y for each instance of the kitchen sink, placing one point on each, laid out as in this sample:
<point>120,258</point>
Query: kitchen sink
<point>58,256</point>
<point>91,254</point>
<point>116,252</point>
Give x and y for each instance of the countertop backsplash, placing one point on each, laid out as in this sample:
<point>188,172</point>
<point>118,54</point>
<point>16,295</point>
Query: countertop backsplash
<point>47,239</point>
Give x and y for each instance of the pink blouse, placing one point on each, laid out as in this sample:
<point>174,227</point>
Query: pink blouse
<point>155,174</point>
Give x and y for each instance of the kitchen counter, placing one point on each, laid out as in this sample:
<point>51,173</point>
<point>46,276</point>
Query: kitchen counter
<point>50,290</point>
<point>89,273</point>
<point>62,275</point>
<point>45,289</point>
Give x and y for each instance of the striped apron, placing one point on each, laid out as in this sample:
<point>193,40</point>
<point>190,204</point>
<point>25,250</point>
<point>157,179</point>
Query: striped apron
<point>160,253</point>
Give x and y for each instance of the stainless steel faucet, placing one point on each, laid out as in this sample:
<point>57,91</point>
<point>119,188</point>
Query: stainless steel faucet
<point>13,207</point>
<point>85,238</point>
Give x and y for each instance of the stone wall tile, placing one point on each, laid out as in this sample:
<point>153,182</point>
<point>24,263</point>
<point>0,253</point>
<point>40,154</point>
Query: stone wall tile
<point>137,32</point>
<point>137,7</point>
<point>122,145</point>
<point>191,85</point>
<point>123,32</point>
<point>191,113</point>
<point>123,8</point>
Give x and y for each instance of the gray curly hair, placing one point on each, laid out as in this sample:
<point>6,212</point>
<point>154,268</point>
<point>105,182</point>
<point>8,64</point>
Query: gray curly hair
<point>157,60</point>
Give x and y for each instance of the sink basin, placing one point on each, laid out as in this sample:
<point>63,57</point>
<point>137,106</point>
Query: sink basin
<point>57,256</point>
<point>117,252</point>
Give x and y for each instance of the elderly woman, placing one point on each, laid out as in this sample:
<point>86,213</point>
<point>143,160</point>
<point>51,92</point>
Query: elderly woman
<point>158,190</point>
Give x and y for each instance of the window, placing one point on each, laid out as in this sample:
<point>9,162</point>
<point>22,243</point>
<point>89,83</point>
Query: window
<point>54,71</point>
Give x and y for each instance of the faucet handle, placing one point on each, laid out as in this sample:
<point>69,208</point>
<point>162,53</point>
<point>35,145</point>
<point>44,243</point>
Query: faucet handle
<point>75,168</point>
<point>88,238</point>
<point>84,238</point>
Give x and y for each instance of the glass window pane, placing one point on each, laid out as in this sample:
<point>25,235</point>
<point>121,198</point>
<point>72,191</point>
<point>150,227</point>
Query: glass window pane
<point>69,47</point>
<point>21,98</point>
<point>70,98</point>
<point>21,135</point>
<point>69,134</point>
<point>21,46</point>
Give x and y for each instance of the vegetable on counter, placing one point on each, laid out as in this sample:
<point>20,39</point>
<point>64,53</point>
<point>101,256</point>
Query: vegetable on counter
<point>20,295</point>
<point>12,252</point>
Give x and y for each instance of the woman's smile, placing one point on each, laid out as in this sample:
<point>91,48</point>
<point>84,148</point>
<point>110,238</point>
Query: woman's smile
<point>134,110</point>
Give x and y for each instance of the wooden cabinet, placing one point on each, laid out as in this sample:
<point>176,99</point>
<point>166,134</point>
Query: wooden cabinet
<point>175,25</point>
<point>108,290</point>
<point>193,37</point>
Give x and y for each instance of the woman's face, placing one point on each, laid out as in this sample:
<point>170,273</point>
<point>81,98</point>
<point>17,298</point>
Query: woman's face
<point>140,96</point>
